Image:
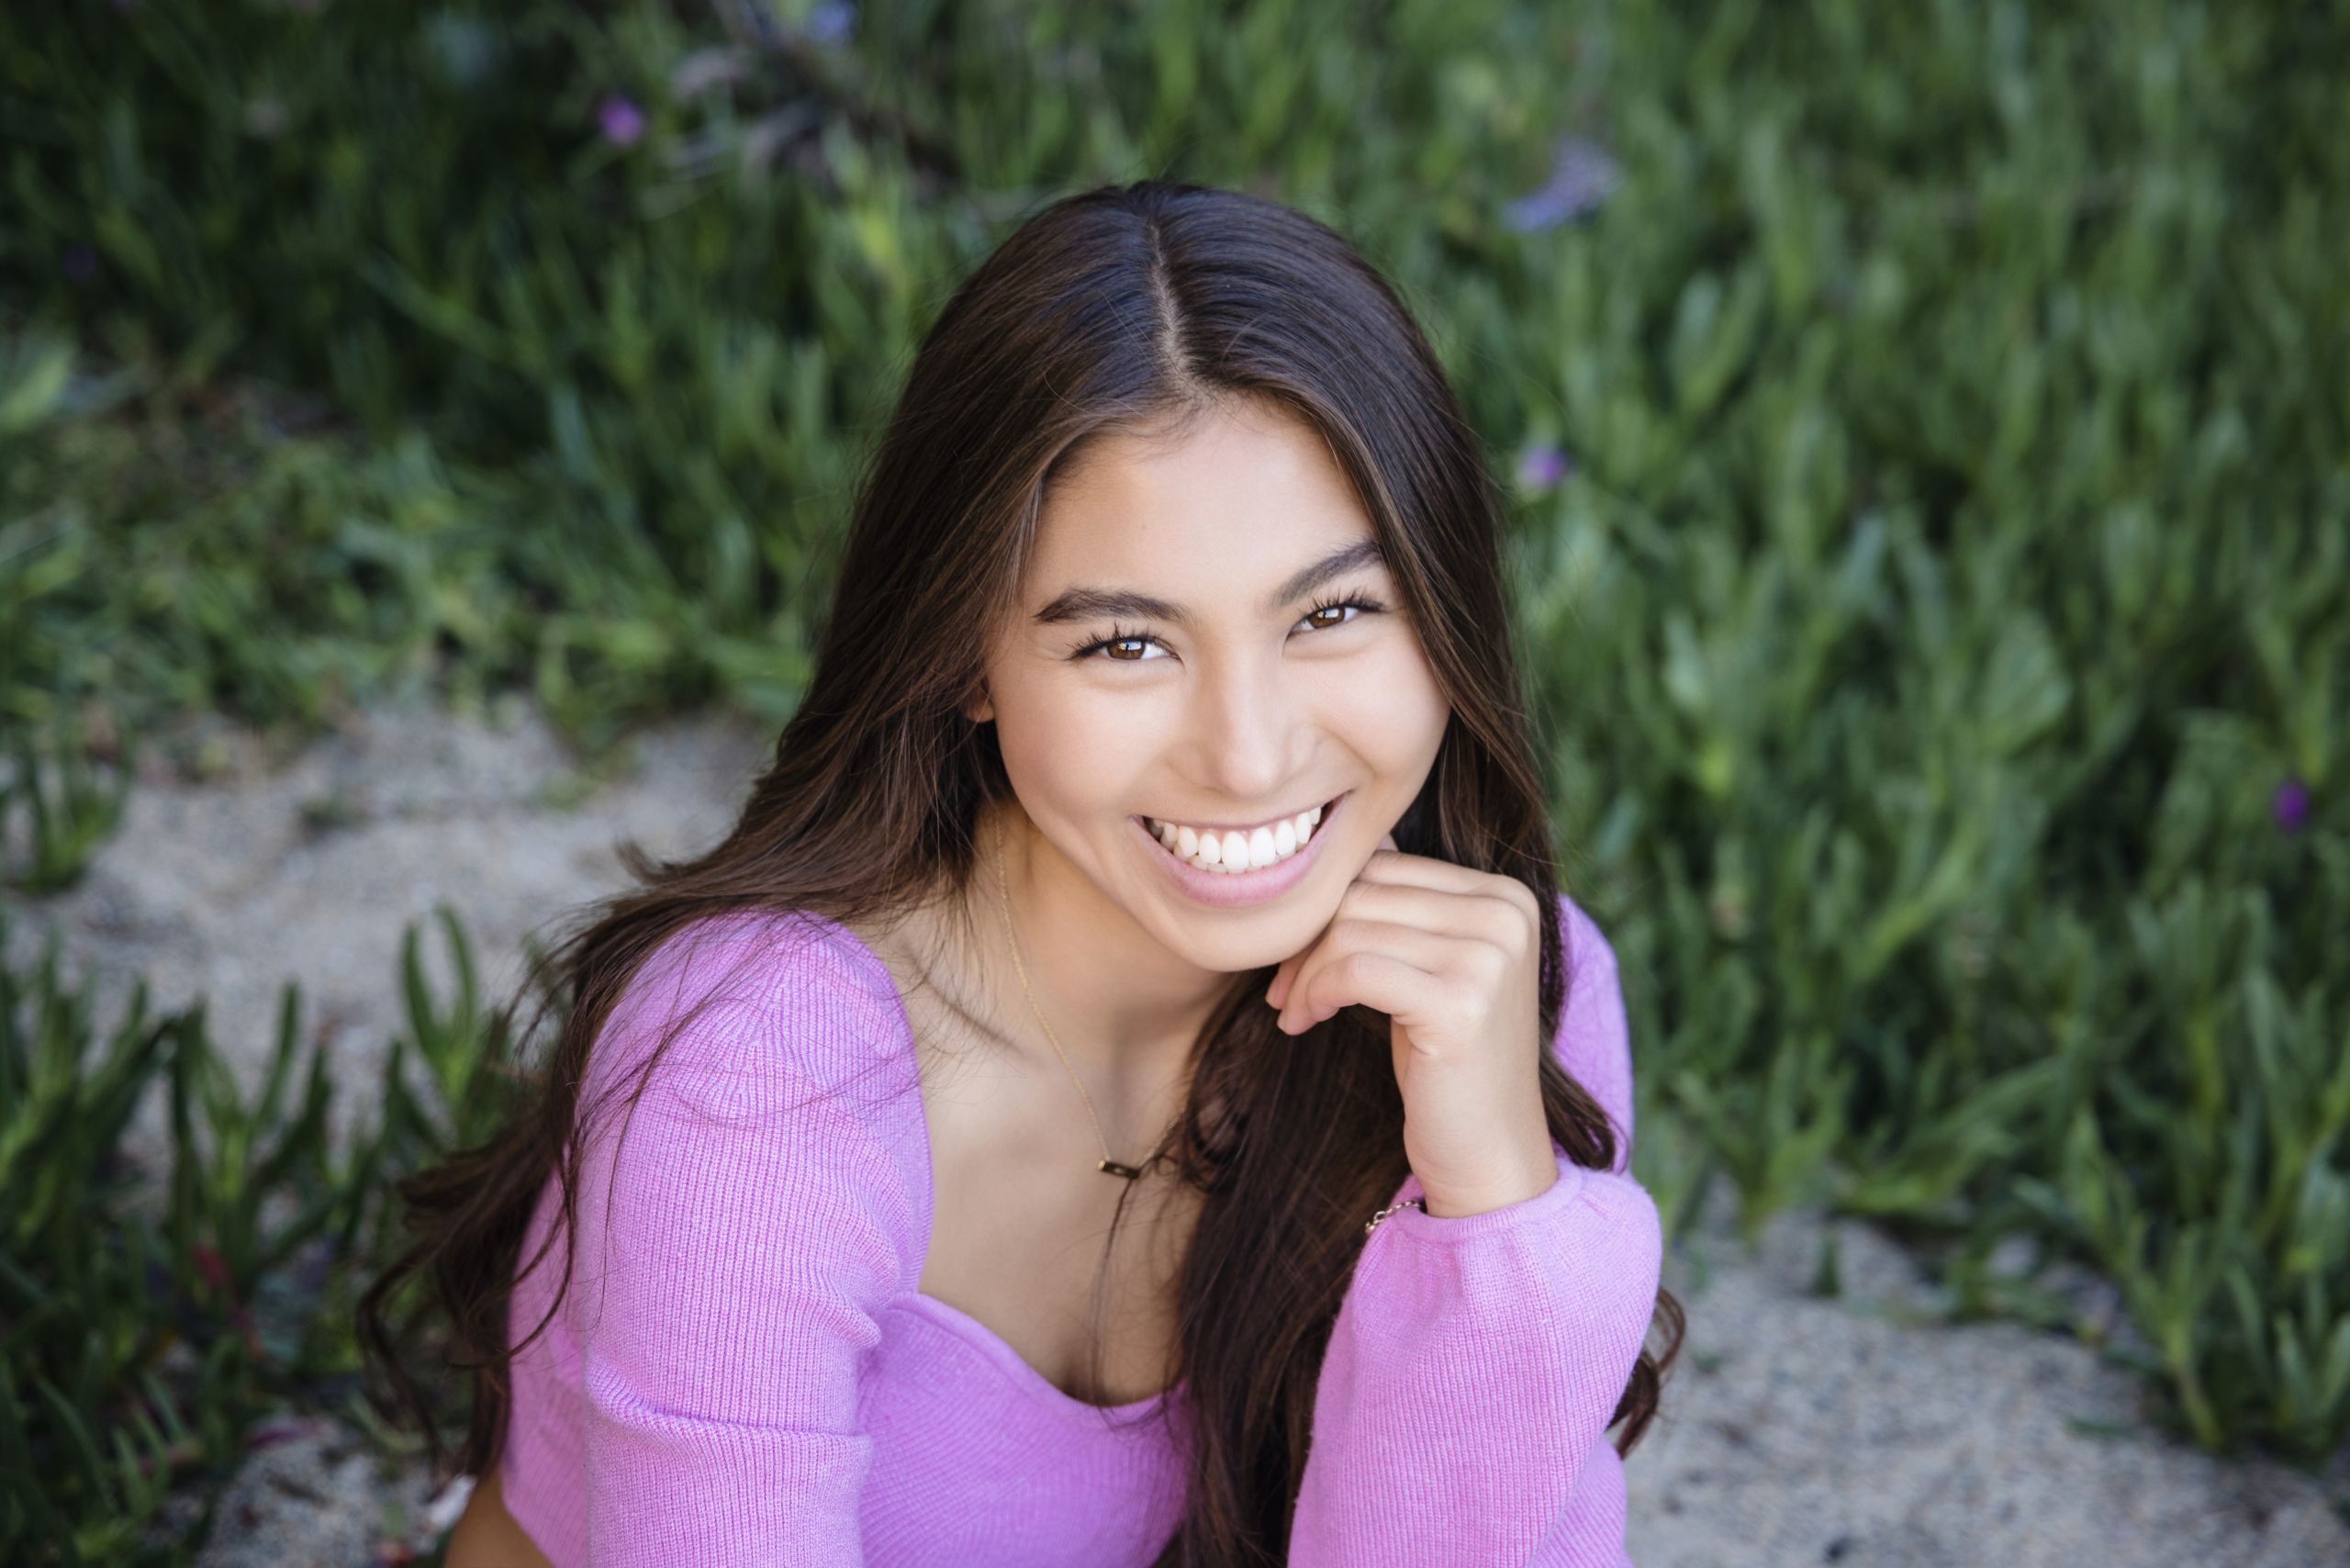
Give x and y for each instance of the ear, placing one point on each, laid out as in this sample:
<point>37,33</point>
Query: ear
<point>978,707</point>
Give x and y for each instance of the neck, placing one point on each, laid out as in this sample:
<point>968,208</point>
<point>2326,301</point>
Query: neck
<point>1126,1009</point>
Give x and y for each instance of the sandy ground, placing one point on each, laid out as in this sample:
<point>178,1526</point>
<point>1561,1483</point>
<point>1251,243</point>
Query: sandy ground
<point>1864,1430</point>
<point>1859,1430</point>
<point>309,871</point>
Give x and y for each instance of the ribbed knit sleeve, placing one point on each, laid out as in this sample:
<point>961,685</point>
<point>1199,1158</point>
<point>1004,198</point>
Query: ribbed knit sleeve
<point>741,1228</point>
<point>1462,1406</point>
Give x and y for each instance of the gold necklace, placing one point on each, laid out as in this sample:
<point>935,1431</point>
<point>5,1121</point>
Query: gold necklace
<point>1108,1165</point>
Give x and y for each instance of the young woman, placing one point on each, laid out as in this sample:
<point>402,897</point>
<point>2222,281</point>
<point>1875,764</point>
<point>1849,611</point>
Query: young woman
<point>1128,1091</point>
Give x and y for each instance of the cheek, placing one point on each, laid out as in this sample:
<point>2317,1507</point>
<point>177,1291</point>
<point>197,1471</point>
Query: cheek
<point>1071,752</point>
<point>1389,713</point>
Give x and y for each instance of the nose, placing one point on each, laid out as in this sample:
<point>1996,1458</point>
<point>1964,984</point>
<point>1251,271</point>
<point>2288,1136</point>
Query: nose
<point>1249,732</point>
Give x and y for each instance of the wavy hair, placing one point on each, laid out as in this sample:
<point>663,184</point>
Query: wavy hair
<point>1110,310</point>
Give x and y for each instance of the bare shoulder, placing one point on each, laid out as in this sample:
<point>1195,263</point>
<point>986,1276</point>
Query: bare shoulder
<point>928,952</point>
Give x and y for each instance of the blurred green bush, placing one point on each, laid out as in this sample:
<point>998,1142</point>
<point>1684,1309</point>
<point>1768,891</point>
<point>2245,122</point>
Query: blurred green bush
<point>1931,437</point>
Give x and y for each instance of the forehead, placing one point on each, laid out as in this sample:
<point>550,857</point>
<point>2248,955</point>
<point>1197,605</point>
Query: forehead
<point>1238,495</point>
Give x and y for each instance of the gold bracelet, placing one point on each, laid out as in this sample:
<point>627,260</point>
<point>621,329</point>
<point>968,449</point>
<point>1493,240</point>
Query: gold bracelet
<point>1418,1203</point>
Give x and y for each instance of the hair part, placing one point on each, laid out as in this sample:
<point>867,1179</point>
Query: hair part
<point>1119,310</point>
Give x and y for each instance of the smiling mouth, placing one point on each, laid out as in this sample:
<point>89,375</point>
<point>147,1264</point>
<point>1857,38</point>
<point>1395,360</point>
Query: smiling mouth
<point>1236,850</point>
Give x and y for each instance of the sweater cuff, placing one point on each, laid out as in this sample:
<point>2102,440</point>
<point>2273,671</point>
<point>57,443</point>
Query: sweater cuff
<point>1428,1230</point>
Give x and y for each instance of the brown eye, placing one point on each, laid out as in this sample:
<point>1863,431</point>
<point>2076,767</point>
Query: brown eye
<point>1329,615</point>
<point>1127,648</point>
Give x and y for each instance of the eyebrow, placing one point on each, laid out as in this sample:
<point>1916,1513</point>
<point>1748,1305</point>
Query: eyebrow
<point>1089,604</point>
<point>1338,563</point>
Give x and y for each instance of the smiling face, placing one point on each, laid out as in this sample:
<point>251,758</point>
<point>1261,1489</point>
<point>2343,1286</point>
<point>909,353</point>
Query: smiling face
<point>1208,648</point>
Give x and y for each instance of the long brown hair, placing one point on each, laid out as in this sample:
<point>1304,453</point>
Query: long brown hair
<point>1111,309</point>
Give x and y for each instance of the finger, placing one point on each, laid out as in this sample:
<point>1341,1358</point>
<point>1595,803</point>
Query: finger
<point>1383,981</point>
<point>1443,876</point>
<point>1309,997</point>
<point>1278,991</point>
<point>1487,914</point>
<point>1420,870</point>
<point>1285,994</point>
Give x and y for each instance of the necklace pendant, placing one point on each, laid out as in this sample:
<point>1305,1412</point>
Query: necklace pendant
<point>1124,1173</point>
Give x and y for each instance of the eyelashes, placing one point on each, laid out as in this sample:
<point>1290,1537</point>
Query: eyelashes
<point>1127,648</point>
<point>1357,604</point>
<point>1136,645</point>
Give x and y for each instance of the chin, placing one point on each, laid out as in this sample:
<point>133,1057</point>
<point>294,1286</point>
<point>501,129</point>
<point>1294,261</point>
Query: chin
<point>1236,938</point>
<point>1267,942</point>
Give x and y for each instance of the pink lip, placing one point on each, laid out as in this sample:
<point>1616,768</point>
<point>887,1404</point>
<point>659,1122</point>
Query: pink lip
<point>1224,890</point>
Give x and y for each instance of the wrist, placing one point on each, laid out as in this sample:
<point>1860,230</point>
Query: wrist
<point>1483,1193</point>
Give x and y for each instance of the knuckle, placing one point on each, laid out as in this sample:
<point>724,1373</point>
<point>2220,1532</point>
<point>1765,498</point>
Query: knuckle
<point>1502,923</point>
<point>1357,969</point>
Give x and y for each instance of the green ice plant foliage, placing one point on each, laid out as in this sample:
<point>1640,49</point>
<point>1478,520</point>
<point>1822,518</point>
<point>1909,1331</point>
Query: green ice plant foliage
<point>1946,633</point>
<point>619,294</point>
<point>136,1339</point>
<point>161,1289</point>
<point>1928,429</point>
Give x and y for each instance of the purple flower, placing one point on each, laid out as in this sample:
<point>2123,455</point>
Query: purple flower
<point>620,121</point>
<point>1544,468</point>
<point>1582,177</point>
<point>831,23</point>
<point>2291,806</point>
<point>81,263</point>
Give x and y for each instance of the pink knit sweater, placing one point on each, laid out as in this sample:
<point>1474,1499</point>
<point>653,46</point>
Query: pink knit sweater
<point>745,1371</point>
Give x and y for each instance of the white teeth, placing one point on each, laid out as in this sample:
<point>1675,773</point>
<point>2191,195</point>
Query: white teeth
<point>1232,851</point>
